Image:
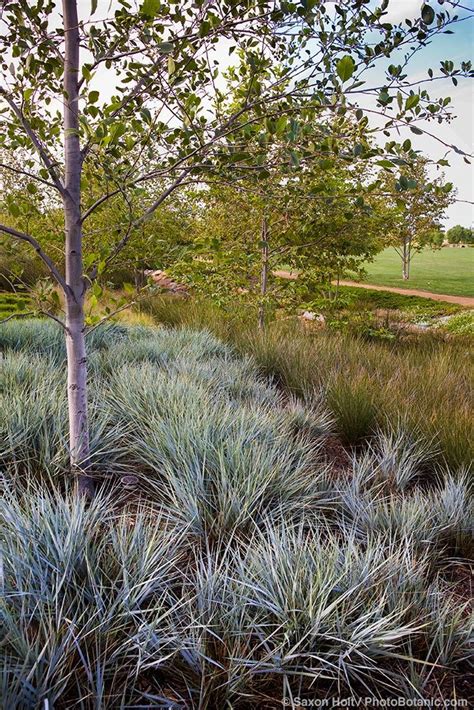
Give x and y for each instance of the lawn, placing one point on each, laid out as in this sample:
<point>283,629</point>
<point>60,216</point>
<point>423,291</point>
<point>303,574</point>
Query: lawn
<point>448,271</point>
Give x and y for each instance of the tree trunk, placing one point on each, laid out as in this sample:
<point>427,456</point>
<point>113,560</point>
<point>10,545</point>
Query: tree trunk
<point>264,275</point>
<point>75,327</point>
<point>406,258</point>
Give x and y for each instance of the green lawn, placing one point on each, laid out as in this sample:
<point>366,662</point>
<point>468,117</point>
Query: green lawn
<point>447,270</point>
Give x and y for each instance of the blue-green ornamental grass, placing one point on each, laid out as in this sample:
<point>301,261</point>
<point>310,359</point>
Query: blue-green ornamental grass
<point>239,570</point>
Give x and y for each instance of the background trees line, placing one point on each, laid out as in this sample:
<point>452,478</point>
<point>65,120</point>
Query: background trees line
<point>174,119</point>
<point>323,221</point>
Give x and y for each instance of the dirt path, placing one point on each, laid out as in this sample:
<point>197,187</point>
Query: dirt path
<point>460,300</point>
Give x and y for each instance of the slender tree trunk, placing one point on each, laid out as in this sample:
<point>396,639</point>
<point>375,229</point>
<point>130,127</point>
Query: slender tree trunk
<point>263,275</point>
<point>406,257</point>
<point>75,327</point>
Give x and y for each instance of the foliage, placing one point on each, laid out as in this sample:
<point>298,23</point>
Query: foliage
<point>13,304</point>
<point>460,235</point>
<point>362,300</point>
<point>252,112</point>
<point>433,238</point>
<point>461,323</point>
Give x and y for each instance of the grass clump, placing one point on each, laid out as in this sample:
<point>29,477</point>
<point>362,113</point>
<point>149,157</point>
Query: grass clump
<point>86,596</point>
<point>426,382</point>
<point>240,571</point>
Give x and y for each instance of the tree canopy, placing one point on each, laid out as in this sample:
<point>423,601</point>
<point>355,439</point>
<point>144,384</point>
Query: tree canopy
<point>460,235</point>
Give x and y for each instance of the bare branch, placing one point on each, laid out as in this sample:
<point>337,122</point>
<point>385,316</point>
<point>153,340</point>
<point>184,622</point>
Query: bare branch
<point>17,171</point>
<point>52,268</point>
<point>17,315</point>
<point>111,315</point>
<point>98,203</point>
<point>35,313</point>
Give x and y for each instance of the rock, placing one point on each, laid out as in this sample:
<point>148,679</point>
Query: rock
<point>164,282</point>
<point>311,316</point>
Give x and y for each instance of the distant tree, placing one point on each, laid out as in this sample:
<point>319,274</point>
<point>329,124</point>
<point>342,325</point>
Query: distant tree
<point>434,238</point>
<point>314,222</point>
<point>460,235</point>
<point>415,208</point>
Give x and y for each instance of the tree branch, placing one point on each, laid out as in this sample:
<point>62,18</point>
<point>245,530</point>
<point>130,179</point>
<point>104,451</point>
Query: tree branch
<point>22,236</point>
<point>110,315</point>
<point>34,313</point>
<point>48,163</point>
<point>136,223</point>
<point>18,171</point>
<point>17,315</point>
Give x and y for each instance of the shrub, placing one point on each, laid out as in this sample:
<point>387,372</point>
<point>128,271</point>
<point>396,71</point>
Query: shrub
<point>460,324</point>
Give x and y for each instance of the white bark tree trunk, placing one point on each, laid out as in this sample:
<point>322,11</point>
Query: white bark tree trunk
<point>406,258</point>
<point>264,275</point>
<point>75,326</point>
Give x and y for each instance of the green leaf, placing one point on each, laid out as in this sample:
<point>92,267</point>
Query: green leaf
<point>117,130</point>
<point>412,101</point>
<point>146,115</point>
<point>28,93</point>
<point>55,298</point>
<point>280,124</point>
<point>93,6</point>
<point>171,66</point>
<point>165,47</point>
<point>150,7</point>
<point>345,68</point>
<point>427,14</point>
<point>93,96</point>
<point>13,209</point>
<point>326,164</point>
<point>416,130</point>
